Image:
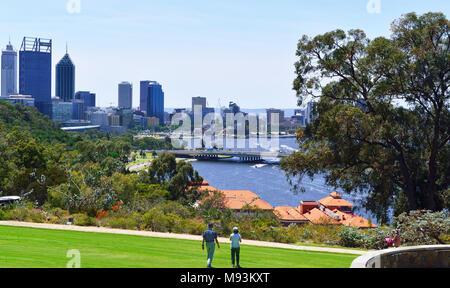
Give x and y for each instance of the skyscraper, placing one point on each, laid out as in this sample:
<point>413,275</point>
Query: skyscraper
<point>125,95</point>
<point>9,71</point>
<point>87,97</point>
<point>198,101</point>
<point>152,100</point>
<point>35,72</point>
<point>65,79</point>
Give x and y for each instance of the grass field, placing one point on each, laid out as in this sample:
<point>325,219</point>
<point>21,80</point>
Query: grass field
<point>40,248</point>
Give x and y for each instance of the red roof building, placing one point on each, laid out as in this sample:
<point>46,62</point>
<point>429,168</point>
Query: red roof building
<point>289,215</point>
<point>335,201</point>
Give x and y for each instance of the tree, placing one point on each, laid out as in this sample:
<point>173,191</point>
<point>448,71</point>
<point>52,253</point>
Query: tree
<point>179,178</point>
<point>382,120</point>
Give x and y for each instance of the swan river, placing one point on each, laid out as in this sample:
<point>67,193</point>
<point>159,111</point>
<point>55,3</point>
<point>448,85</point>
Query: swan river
<point>268,181</point>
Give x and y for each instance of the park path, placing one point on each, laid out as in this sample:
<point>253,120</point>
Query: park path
<point>175,236</point>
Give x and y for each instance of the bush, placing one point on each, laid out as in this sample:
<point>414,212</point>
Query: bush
<point>423,227</point>
<point>84,220</point>
<point>319,234</point>
<point>375,239</point>
<point>122,223</point>
<point>351,237</point>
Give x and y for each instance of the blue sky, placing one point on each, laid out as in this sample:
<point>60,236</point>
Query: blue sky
<point>240,51</point>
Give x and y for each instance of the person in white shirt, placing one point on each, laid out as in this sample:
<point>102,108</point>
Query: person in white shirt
<point>236,239</point>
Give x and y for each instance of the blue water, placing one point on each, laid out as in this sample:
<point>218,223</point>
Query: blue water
<point>268,182</point>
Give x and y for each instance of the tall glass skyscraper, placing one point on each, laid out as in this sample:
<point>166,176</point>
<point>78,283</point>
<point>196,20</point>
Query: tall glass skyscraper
<point>87,97</point>
<point>9,71</point>
<point>65,79</point>
<point>35,72</point>
<point>125,95</point>
<point>152,100</point>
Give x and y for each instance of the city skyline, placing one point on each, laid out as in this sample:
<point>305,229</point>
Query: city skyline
<point>230,51</point>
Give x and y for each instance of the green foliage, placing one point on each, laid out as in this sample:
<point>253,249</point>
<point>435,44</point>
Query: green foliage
<point>350,237</point>
<point>149,143</point>
<point>423,227</point>
<point>175,177</point>
<point>361,139</point>
<point>84,220</point>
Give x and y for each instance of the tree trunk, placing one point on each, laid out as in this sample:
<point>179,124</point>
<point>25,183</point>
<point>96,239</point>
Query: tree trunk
<point>430,203</point>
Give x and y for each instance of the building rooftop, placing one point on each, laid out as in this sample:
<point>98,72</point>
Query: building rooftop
<point>335,200</point>
<point>285,213</point>
<point>354,220</point>
<point>318,217</point>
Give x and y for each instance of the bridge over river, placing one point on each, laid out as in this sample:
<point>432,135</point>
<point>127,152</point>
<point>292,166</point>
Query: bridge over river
<point>214,155</point>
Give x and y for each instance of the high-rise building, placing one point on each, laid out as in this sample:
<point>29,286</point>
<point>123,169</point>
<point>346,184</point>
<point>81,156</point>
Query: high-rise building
<point>35,72</point>
<point>87,97</point>
<point>271,112</point>
<point>65,79</point>
<point>152,100</point>
<point>198,101</point>
<point>125,95</point>
<point>61,111</point>
<point>9,71</point>
<point>78,109</point>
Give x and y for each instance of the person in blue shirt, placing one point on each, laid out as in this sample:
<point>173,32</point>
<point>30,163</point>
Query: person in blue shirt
<point>209,236</point>
<point>236,241</point>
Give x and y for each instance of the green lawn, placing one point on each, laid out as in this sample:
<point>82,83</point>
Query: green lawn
<point>40,248</point>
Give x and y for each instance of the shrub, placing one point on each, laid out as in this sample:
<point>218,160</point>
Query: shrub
<point>122,223</point>
<point>84,220</point>
<point>351,237</point>
<point>423,227</point>
<point>375,238</point>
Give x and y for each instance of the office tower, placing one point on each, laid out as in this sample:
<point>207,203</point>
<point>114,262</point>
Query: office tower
<point>152,100</point>
<point>78,109</point>
<point>9,71</point>
<point>65,79</point>
<point>61,111</point>
<point>87,97</point>
<point>35,72</point>
<point>198,101</point>
<point>125,95</point>
<point>271,112</point>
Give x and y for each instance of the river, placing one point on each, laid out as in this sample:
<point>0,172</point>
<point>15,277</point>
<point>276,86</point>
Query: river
<point>268,182</point>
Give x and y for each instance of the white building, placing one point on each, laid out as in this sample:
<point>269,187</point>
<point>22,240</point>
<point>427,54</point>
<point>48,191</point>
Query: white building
<point>9,71</point>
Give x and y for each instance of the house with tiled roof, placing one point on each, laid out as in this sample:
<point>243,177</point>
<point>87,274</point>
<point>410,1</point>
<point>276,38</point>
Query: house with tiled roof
<point>317,216</point>
<point>330,210</point>
<point>238,200</point>
<point>289,215</point>
<point>351,220</point>
<point>335,201</point>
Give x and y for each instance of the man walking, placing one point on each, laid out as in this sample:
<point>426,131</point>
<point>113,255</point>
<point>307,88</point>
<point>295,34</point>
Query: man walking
<point>209,236</point>
<point>236,241</point>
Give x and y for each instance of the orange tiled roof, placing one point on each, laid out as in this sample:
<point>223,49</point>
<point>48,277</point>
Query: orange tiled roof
<point>289,214</point>
<point>318,217</point>
<point>335,200</point>
<point>354,220</point>
<point>238,199</point>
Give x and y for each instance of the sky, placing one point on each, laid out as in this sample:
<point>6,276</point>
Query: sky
<point>241,51</point>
